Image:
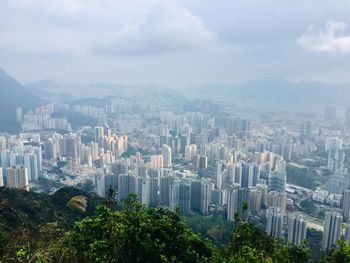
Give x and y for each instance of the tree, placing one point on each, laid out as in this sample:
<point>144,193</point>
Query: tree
<point>245,209</point>
<point>136,234</point>
<point>337,255</point>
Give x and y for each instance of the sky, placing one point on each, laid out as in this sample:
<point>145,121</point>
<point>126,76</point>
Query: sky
<point>175,43</point>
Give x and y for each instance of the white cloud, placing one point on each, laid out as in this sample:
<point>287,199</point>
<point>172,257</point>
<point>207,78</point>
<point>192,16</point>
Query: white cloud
<point>165,27</point>
<point>116,27</point>
<point>332,39</point>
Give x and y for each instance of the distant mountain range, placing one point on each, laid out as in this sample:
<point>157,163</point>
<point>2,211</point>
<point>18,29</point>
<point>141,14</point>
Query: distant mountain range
<point>276,93</point>
<point>12,95</point>
<point>44,88</point>
<point>263,93</point>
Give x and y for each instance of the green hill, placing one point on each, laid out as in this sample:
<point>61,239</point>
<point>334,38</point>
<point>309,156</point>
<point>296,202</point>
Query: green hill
<point>60,228</point>
<point>13,95</point>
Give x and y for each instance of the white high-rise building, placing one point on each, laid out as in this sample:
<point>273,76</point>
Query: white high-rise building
<point>274,225</point>
<point>31,163</point>
<point>219,175</point>
<point>297,226</point>
<point>332,229</point>
<point>17,177</point>
<point>157,161</point>
<point>19,115</point>
<point>236,196</point>
<point>100,184</point>
<point>206,186</point>
<point>167,157</point>
<point>1,177</point>
<point>346,204</point>
<point>333,143</point>
<point>190,152</point>
<point>232,197</point>
<point>2,143</point>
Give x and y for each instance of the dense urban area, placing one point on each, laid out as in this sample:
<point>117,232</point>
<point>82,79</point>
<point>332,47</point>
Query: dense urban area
<point>205,160</point>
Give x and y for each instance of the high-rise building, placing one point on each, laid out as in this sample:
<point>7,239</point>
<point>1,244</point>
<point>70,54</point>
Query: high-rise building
<point>219,174</point>
<point>330,114</point>
<point>195,195</point>
<point>144,189</point>
<point>19,115</point>
<point>347,117</point>
<point>217,196</point>
<point>308,130</point>
<point>232,202</point>
<point>154,177</point>
<point>347,234</point>
<point>165,182</point>
<point>100,184</point>
<point>17,177</point>
<point>2,143</point>
<point>336,158</point>
<point>236,196</point>
<point>126,185</point>
<point>174,195</point>
<point>277,181</point>
<point>255,197</point>
<point>1,177</point>
<point>277,199</point>
<point>297,226</point>
<point>332,229</point>
<point>206,186</point>
<point>238,174</point>
<point>274,225</point>
<point>99,134</point>
<point>247,175</point>
<point>346,204</point>
<point>157,161</point>
<point>31,163</point>
<point>337,183</point>
<point>185,197</point>
<point>264,194</point>
<point>190,152</point>
<point>167,156</point>
<point>203,163</point>
<point>333,143</point>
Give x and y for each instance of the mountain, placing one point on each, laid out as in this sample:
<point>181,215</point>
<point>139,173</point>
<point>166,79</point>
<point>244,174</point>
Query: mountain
<point>44,88</point>
<point>13,95</point>
<point>276,93</point>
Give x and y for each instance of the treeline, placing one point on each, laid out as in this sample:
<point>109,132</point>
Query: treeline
<point>130,232</point>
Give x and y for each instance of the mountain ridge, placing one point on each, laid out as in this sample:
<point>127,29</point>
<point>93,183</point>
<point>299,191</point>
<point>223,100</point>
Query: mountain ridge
<point>275,92</point>
<point>13,95</point>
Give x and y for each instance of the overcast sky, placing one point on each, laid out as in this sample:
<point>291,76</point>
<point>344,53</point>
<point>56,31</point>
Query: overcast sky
<point>175,43</point>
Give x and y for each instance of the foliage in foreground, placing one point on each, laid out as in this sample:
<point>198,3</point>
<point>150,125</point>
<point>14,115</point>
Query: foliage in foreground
<point>135,233</point>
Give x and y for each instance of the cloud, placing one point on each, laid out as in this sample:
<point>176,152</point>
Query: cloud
<point>104,27</point>
<point>163,28</point>
<point>332,39</point>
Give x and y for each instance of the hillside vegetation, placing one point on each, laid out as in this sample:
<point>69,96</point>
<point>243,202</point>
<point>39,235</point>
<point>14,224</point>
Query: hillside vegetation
<point>73,226</point>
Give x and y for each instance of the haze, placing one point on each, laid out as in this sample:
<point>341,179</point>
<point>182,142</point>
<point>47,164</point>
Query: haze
<point>175,43</point>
